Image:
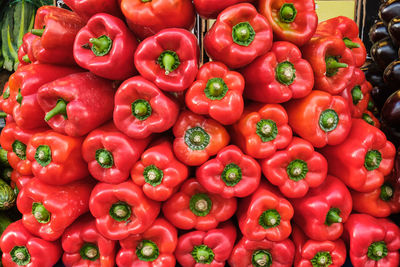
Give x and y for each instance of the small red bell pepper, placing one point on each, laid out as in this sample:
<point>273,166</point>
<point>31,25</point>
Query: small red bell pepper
<point>239,35</point>
<point>310,253</point>
<point>106,47</point>
<point>295,169</point>
<point>230,173</point>
<point>25,55</point>
<point>265,214</point>
<point>158,172</point>
<point>111,154</point>
<point>370,118</point>
<point>147,17</point>
<point>193,207</point>
<point>169,59</point>
<point>322,212</point>
<point>21,248</point>
<point>363,159</point>
<point>320,118</point>
<point>217,92</point>
<point>6,101</point>
<point>56,29</point>
<point>78,103</point>
<point>293,21</point>
<point>20,180</point>
<point>48,210</point>
<point>209,9</point>
<point>152,248</point>
<point>197,138</point>
<point>331,61</point>
<point>372,241</point>
<point>88,8</point>
<point>262,130</point>
<point>122,210</point>
<point>83,245</point>
<point>56,159</point>
<point>211,248</point>
<point>248,253</point>
<point>142,109</point>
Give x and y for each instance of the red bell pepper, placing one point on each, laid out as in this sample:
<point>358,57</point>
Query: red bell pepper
<point>193,207</point>
<point>262,130</point>
<point>230,173</point>
<point>248,253</point>
<point>372,242</point>
<point>146,18</point>
<point>211,248</point>
<point>197,138</point>
<point>56,29</point>
<point>6,101</point>
<point>77,104</point>
<point>106,47</point>
<point>278,75</point>
<point>122,210</point>
<point>83,245</point>
<point>295,169</point>
<point>331,61</point>
<point>88,8</point>
<point>265,214</point>
<point>346,29</point>
<point>20,180</point>
<point>239,35</point>
<point>363,159</point>
<point>169,59</point>
<point>322,212</point>
<point>25,54</point>
<point>370,118</point>
<point>217,92</point>
<point>209,9</point>
<point>320,118</point>
<point>293,21</point>
<point>142,109</point>
<point>48,210</point>
<point>21,248</point>
<point>310,253</point>
<point>158,172</point>
<point>152,248</point>
<point>56,159</point>
<point>111,154</point>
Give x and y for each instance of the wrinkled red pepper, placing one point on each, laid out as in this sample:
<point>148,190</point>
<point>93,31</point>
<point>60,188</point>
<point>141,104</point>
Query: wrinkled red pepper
<point>209,9</point>
<point>88,8</point>
<point>25,54</point>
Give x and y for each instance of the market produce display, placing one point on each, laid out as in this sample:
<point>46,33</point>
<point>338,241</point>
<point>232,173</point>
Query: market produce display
<point>123,148</point>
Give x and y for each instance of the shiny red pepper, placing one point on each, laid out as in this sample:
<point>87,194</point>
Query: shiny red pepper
<point>88,8</point>
<point>20,180</point>
<point>25,54</point>
<point>209,9</point>
<point>6,102</point>
<point>370,118</point>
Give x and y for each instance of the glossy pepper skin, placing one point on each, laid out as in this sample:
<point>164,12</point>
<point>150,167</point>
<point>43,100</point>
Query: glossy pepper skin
<point>320,118</point>
<point>56,29</point>
<point>248,253</point>
<point>217,92</point>
<point>293,21</point>
<point>197,138</point>
<point>310,253</point>
<point>141,108</point>
<point>146,18</point>
<point>295,169</point>
<point>25,54</point>
<point>169,59</point>
<point>105,47</point>
<point>83,245</point>
<point>239,35</point>
<point>88,8</point>
<point>279,75</point>
<point>56,159</point>
<point>20,180</point>
<point>371,119</point>
<point>122,210</point>
<point>372,241</point>
<point>158,172</point>
<point>265,214</point>
<point>363,159</point>
<point>230,173</point>
<point>322,212</point>
<point>193,207</point>
<point>262,130</point>
<point>211,248</point>
<point>78,103</point>
<point>48,210</point>
<point>152,248</point>
<point>6,102</point>
<point>21,248</point>
<point>209,9</point>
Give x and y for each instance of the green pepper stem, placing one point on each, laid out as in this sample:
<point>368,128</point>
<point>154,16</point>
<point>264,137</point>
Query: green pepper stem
<point>333,66</point>
<point>333,216</point>
<point>20,255</point>
<point>120,211</point>
<point>350,44</point>
<point>37,32</point>
<point>43,155</point>
<point>153,175</point>
<point>243,33</point>
<point>261,258</point>
<point>168,61</point>
<point>287,13</point>
<point>200,204</point>
<point>3,114</point>
<point>41,214</point>
<point>321,259</point>
<point>386,192</point>
<point>372,160</point>
<point>59,109</point>
<point>104,158</point>
<point>269,219</point>
<point>101,46</point>
<point>147,251</point>
<point>89,251</point>
<point>203,254</point>
<point>216,89</point>
<point>26,59</point>
<point>19,97</point>
<point>377,251</point>
<point>356,94</point>
<point>145,1</point>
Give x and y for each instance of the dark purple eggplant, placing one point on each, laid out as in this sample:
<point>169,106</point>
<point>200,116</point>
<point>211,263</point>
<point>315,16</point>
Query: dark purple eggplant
<point>390,117</point>
<point>391,75</point>
<point>389,10</point>
<point>373,74</point>
<point>394,30</point>
<point>384,52</point>
<point>378,32</point>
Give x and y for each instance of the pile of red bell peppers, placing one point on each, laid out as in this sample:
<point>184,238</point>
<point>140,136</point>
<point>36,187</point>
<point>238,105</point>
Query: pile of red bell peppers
<point>127,151</point>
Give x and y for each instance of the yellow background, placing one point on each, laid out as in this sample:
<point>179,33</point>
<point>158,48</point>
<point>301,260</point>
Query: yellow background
<point>327,9</point>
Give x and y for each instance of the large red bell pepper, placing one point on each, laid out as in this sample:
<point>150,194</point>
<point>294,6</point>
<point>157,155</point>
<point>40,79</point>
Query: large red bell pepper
<point>88,8</point>
<point>209,9</point>
<point>25,54</point>
<point>363,159</point>
<point>239,35</point>
<point>193,207</point>
<point>48,210</point>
